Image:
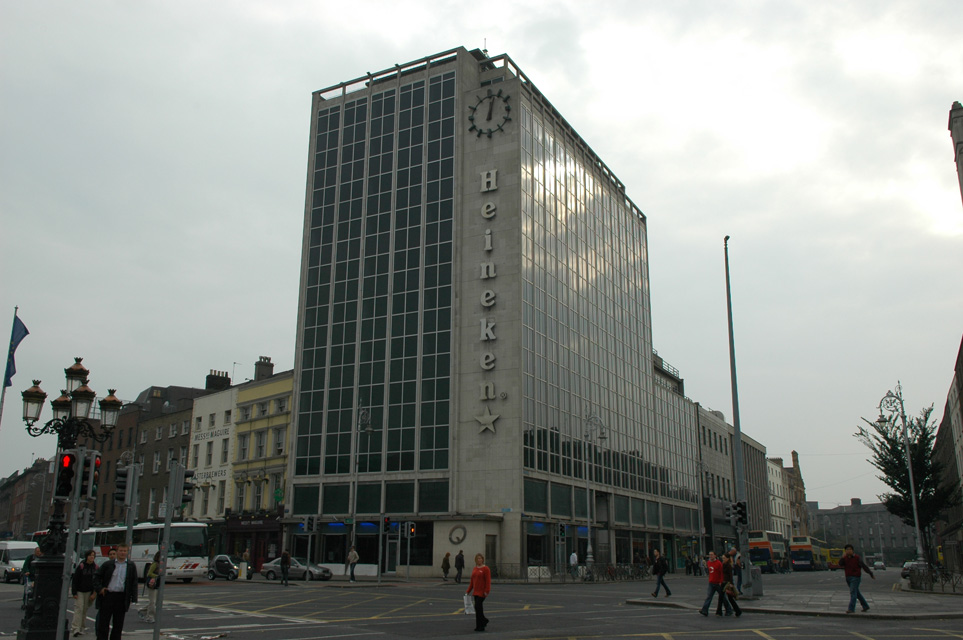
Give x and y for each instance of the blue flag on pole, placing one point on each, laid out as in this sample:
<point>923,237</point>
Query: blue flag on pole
<point>16,337</point>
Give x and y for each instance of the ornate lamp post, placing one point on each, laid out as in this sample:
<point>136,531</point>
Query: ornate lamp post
<point>594,431</point>
<point>69,422</point>
<point>893,403</point>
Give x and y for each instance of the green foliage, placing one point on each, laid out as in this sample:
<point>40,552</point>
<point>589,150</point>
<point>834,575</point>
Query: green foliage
<point>884,437</point>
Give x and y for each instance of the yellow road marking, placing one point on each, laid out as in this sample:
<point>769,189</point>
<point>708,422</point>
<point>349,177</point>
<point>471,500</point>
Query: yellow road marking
<point>761,633</point>
<point>281,606</point>
<point>860,635</point>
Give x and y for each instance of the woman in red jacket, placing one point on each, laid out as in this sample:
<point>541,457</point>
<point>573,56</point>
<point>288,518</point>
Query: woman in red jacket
<point>480,585</point>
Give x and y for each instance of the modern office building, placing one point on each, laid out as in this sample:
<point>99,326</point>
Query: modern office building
<point>474,342</point>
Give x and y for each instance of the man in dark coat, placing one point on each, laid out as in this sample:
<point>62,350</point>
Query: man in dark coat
<point>116,585</point>
<point>459,566</point>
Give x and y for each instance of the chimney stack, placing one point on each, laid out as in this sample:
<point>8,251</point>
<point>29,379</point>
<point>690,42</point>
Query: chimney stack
<point>217,380</point>
<point>263,368</point>
<point>855,502</point>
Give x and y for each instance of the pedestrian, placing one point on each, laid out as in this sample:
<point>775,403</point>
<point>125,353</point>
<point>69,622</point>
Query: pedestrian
<point>26,568</point>
<point>728,589</point>
<point>82,588</point>
<point>714,569</point>
<point>446,566</point>
<point>116,585</point>
<point>246,558</point>
<point>688,566</point>
<point>459,565</point>
<point>573,565</point>
<point>853,566</point>
<point>285,567</point>
<point>737,568</point>
<point>480,586</point>
<point>153,580</point>
<point>352,561</point>
<point>660,567</point>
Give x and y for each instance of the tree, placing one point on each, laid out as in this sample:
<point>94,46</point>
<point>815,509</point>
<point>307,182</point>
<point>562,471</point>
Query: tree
<point>884,437</point>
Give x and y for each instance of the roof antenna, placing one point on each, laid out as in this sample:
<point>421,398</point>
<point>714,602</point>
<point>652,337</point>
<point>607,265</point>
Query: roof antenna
<point>485,46</point>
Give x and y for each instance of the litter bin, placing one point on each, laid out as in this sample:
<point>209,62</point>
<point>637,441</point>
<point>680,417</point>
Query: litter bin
<point>243,575</point>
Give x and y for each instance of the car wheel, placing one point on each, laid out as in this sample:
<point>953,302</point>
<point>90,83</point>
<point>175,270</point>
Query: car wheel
<point>211,575</point>
<point>6,577</point>
<point>270,575</point>
<point>232,576</point>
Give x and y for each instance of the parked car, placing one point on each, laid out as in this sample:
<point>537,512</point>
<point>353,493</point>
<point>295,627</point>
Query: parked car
<point>224,566</point>
<point>879,565</point>
<point>300,570</point>
<point>910,566</point>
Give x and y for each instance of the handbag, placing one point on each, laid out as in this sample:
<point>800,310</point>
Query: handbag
<point>731,590</point>
<point>469,605</point>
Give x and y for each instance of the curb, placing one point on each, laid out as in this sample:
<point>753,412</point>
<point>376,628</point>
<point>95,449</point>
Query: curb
<point>808,612</point>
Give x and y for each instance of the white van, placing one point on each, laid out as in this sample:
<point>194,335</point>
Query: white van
<point>12,555</point>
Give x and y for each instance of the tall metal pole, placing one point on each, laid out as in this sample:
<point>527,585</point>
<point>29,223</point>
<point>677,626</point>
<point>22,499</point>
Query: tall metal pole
<point>740,472</point>
<point>592,424</point>
<point>175,490</point>
<point>890,401</point>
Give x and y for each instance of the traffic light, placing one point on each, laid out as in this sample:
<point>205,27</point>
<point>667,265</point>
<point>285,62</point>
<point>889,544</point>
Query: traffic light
<point>188,487</point>
<point>561,530</point>
<point>742,513</point>
<point>303,525</point>
<point>120,485</point>
<point>66,470</point>
<point>91,476</point>
<point>386,526</point>
<point>731,512</point>
<point>410,529</point>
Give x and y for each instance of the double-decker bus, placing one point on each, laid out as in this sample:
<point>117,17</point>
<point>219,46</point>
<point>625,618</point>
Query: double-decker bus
<point>186,557</point>
<point>767,550</point>
<point>807,553</point>
<point>834,556</point>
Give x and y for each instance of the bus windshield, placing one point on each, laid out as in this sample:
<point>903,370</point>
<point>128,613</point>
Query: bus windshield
<point>760,554</point>
<point>188,541</point>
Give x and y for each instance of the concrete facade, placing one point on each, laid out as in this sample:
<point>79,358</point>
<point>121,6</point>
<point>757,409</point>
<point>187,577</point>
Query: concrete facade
<point>956,134</point>
<point>212,454</point>
<point>778,498</point>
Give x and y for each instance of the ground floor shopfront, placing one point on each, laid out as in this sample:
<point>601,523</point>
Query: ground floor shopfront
<point>509,544</point>
<point>263,535</point>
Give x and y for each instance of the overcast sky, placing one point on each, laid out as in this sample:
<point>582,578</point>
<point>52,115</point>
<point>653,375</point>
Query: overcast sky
<point>152,180</point>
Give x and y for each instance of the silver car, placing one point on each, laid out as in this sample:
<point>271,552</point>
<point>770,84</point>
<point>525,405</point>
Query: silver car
<point>300,570</point>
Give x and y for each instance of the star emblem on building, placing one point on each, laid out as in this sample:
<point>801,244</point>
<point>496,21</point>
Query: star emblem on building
<point>487,420</point>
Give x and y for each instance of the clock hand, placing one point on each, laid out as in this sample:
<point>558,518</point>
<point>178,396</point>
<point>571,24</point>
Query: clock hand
<point>491,105</point>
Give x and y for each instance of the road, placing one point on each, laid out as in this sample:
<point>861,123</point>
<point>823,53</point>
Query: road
<point>248,610</point>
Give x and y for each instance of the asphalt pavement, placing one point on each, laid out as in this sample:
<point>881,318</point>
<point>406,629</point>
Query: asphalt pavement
<point>887,598</point>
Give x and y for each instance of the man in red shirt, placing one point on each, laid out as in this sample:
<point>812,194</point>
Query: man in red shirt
<point>714,569</point>
<point>853,565</point>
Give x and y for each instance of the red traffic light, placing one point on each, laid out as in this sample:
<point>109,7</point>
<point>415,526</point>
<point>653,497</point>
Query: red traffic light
<point>68,460</point>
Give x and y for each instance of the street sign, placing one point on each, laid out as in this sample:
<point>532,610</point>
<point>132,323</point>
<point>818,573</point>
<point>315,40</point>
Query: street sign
<point>162,510</point>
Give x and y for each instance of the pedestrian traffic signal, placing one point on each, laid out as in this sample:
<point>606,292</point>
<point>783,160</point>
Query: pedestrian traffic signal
<point>66,470</point>
<point>120,485</point>
<point>187,487</point>
<point>742,513</point>
<point>91,476</point>
<point>386,525</point>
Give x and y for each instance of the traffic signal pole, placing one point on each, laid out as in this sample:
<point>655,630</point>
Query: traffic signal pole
<point>69,553</point>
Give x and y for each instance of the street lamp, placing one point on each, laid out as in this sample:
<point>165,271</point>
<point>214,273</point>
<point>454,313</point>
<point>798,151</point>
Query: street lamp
<point>44,612</point>
<point>893,402</point>
<point>594,431</point>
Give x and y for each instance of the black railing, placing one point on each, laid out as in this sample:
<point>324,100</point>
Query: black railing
<point>599,572</point>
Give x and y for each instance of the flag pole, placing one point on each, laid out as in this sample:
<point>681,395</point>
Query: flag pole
<point>10,349</point>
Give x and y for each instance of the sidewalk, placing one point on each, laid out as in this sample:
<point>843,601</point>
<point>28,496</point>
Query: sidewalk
<point>884,605</point>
